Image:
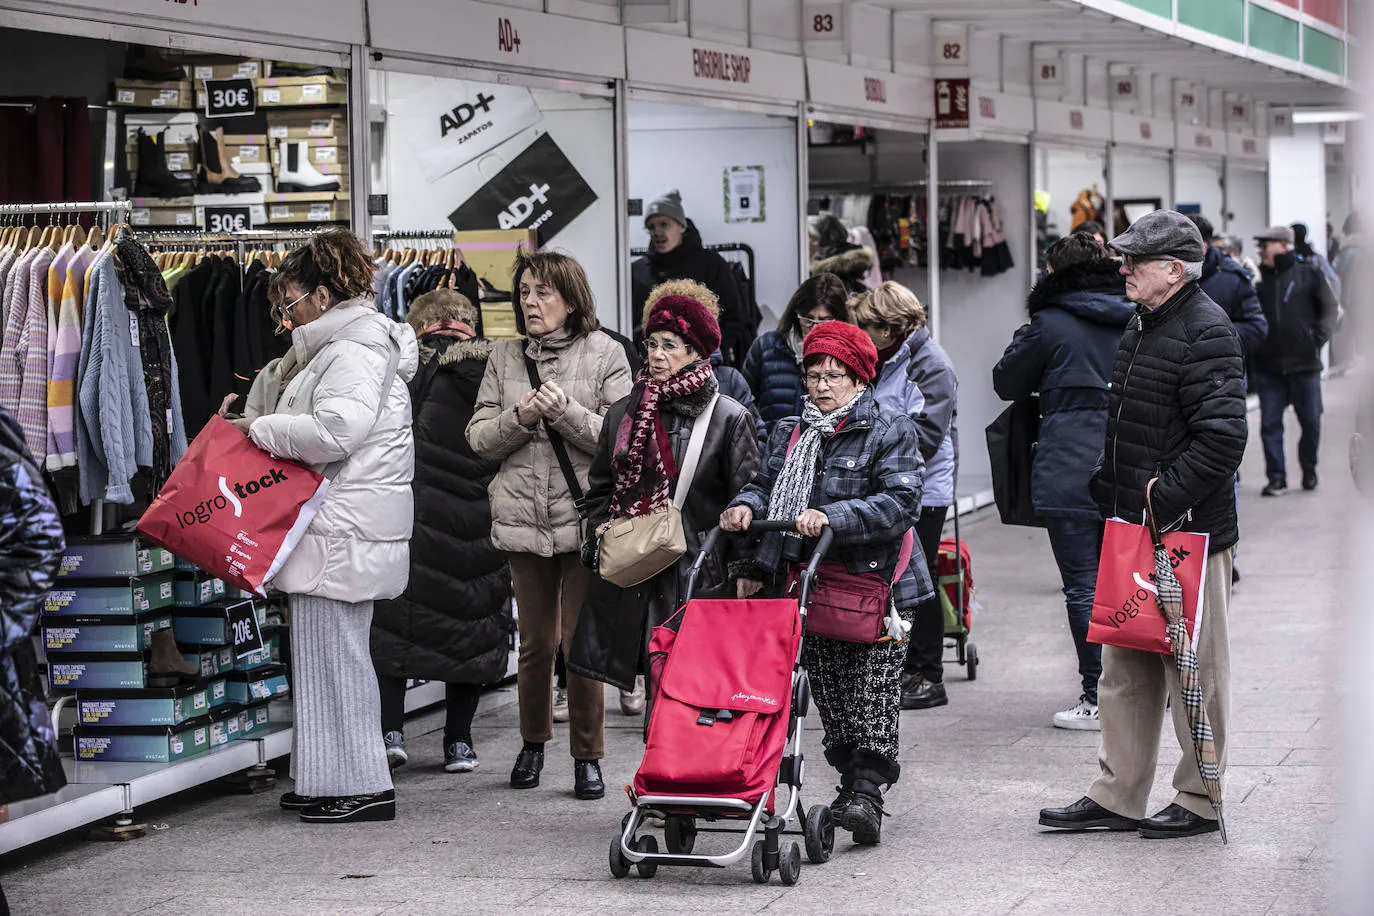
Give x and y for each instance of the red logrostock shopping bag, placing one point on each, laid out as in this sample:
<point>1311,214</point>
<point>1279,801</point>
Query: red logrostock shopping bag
<point>232,509</point>
<point>1125,612</point>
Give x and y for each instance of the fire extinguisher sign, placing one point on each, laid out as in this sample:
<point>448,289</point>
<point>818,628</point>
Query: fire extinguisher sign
<point>951,103</point>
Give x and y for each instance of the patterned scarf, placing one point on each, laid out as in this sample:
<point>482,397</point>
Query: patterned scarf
<point>643,457</point>
<point>792,489</point>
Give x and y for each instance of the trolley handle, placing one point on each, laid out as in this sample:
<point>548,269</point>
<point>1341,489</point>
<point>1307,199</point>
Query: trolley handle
<point>823,543</point>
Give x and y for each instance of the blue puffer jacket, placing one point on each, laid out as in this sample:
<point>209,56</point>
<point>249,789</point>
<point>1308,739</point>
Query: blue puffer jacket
<point>1065,353</point>
<point>775,376</point>
<point>1228,285</point>
<point>732,384</point>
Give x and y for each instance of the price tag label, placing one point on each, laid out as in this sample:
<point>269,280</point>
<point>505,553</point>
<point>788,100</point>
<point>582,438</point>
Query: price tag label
<point>243,629</point>
<point>228,219</point>
<point>230,98</point>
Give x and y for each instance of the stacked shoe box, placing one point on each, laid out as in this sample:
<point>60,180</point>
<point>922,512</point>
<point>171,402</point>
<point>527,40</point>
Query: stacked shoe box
<point>176,96</point>
<point>174,138</point>
<point>309,158</point>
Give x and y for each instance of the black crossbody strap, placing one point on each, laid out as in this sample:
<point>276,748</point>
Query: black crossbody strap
<point>560,449</point>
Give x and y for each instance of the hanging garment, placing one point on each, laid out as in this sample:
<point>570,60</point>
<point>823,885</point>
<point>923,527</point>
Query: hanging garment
<point>66,352</point>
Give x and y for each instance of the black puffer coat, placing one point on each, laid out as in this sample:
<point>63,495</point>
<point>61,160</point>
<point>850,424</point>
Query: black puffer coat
<point>691,261</point>
<point>1228,285</point>
<point>31,545</point>
<point>1177,412</point>
<point>613,632</point>
<point>454,621</point>
<point>1301,310</point>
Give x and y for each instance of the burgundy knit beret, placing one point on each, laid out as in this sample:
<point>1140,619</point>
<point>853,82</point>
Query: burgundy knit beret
<point>688,319</point>
<point>847,344</point>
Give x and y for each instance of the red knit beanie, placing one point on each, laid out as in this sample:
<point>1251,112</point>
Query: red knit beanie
<point>688,319</point>
<point>847,344</point>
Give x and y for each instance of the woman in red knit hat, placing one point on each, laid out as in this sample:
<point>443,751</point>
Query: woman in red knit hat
<point>642,465</point>
<point>856,468</point>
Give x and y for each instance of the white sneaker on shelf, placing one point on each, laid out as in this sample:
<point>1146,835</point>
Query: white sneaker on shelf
<point>560,704</point>
<point>1082,717</point>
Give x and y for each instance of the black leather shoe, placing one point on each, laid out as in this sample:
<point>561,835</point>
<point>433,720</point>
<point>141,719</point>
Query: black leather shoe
<point>864,819</point>
<point>525,774</point>
<point>920,693</point>
<point>1309,480</point>
<point>588,783</point>
<point>353,809</point>
<point>293,802</point>
<point>1176,821</point>
<point>1085,814</point>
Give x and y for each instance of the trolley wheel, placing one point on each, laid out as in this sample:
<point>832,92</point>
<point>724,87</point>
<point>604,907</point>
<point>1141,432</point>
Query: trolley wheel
<point>756,863</point>
<point>620,866</point>
<point>680,834</point>
<point>789,864</point>
<point>972,662</point>
<point>646,844</point>
<point>819,833</point>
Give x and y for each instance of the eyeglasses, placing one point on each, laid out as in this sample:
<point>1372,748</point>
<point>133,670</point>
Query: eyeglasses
<point>831,379</point>
<point>667,346</point>
<point>808,322</point>
<point>286,309</point>
<point>1134,263</point>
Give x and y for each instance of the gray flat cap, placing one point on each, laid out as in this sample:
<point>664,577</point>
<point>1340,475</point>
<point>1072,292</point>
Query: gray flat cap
<point>1275,234</point>
<point>1162,234</point>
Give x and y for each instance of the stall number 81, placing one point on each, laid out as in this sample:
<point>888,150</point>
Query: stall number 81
<point>231,98</point>
<point>243,632</point>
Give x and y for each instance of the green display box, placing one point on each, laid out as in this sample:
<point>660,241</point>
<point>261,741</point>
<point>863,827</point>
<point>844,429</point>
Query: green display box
<point>219,691</point>
<point>226,723</point>
<point>90,597</point>
<point>95,670</point>
<point>270,654</point>
<point>116,556</point>
<point>102,634</point>
<point>265,683</point>
<point>253,720</point>
<point>209,625</point>
<point>196,589</point>
<point>213,660</point>
<point>149,706</point>
<point>142,743</point>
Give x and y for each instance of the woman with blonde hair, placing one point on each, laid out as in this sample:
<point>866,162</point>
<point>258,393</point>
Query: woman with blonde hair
<point>917,379</point>
<point>540,410</point>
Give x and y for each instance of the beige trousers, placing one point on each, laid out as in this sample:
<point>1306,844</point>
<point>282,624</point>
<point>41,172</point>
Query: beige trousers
<point>1131,697</point>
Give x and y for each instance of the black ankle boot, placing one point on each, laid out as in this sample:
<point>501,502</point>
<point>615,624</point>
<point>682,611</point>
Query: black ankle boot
<point>864,816</point>
<point>842,759</point>
<point>587,781</point>
<point>154,178</point>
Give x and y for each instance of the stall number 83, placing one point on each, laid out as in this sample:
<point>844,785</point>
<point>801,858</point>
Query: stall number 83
<point>231,98</point>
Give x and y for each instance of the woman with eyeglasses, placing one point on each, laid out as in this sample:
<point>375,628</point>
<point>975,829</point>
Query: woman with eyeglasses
<point>640,467</point>
<point>773,365</point>
<point>854,466</point>
<point>337,402</point>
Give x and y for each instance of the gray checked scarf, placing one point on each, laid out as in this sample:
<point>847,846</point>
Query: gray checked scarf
<point>792,490</point>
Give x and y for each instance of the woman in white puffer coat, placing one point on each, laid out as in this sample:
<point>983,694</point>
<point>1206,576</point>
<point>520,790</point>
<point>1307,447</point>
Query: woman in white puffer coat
<point>338,403</point>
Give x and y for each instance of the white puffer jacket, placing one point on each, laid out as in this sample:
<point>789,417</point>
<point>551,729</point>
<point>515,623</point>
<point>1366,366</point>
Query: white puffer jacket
<point>316,405</point>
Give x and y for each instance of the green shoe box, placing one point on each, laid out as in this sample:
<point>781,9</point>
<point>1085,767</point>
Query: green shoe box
<point>102,634</point>
<point>142,743</point>
<point>213,660</point>
<point>95,670</point>
<point>226,723</point>
<point>265,683</point>
<point>149,706</point>
<point>219,691</point>
<point>87,597</point>
<point>196,589</point>
<point>209,625</point>
<point>254,720</point>
<point>270,653</point>
<point>117,556</point>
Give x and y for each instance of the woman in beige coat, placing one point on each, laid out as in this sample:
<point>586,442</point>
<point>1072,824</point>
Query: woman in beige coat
<point>580,372</point>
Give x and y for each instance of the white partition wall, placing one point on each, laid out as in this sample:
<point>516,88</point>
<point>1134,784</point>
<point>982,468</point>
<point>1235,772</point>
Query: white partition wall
<point>1138,176</point>
<point>1199,183</point>
<point>1247,202</point>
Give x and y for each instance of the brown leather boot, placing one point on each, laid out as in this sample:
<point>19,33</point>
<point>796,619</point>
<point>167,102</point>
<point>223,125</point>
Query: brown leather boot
<point>166,667</point>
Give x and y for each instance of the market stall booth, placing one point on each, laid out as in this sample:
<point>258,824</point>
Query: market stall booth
<point>1069,158</point>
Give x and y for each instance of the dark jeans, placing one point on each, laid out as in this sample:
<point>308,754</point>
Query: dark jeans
<point>1304,391</point>
<point>461,700</point>
<point>1077,545</point>
<point>925,655</point>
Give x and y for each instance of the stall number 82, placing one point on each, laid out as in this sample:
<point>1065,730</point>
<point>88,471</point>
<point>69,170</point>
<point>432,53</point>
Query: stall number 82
<point>230,98</point>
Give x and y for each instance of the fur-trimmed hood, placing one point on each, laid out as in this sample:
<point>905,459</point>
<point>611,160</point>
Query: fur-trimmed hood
<point>852,264</point>
<point>453,306</point>
<point>1092,290</point>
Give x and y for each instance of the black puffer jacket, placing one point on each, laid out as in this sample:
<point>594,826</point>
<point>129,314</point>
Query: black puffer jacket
<point>1301,309</point>
<point>613,630</point>
<point>454,621</point>
<point>31,545</point>
<point>691,261</point>
<point>1177,412</point>
<point>1228,285</point>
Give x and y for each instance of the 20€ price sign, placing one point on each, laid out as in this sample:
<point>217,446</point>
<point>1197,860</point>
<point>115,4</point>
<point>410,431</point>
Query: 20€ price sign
<point>243,628</point>
<point>230,98</point>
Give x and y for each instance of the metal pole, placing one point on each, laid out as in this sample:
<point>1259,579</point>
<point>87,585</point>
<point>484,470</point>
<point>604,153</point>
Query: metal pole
<point>933,232</point>
<point>1109,221</point>
<point>621,156</point>
<point>1033,244</point>
<point>803,197</point>
<point>360,128</point>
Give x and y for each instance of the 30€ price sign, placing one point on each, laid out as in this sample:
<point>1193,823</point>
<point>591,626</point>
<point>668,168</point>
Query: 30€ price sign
<point>228,219</point>
<point>243,628</point>
<point>230,98</point>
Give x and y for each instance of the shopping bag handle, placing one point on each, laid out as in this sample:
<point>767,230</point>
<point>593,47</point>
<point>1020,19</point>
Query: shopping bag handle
<point>1150,521</point>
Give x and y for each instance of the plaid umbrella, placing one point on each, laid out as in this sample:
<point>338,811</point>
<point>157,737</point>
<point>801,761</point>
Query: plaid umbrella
<point>1170,599</point>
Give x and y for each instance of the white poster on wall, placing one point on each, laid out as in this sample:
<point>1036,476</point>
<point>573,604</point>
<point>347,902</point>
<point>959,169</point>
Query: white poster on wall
<point>449,123</point>
<point>744,194</point>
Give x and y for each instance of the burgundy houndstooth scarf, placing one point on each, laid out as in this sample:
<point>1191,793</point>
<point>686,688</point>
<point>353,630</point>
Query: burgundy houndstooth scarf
<point>643,457</point>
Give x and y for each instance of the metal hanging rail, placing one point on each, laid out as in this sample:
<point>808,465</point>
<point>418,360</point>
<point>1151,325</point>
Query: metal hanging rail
<point>83,206</point>
<point>820,190</point>
<point>412,234</point>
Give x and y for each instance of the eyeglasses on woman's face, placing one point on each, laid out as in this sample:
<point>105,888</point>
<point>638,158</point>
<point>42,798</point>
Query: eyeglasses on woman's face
<point>831,379</point>
<point>667,346</point>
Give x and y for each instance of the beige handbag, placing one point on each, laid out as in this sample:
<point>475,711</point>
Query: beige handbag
<point>634,550</point>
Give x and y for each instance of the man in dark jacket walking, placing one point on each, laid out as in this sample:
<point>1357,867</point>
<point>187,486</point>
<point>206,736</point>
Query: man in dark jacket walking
<point>1228,284</point>
<point>1301,309</point>
<point>1077,315</point>
<point>1176,417</point>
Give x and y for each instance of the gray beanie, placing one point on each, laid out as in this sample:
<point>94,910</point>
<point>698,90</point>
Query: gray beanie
<point>669,205</point>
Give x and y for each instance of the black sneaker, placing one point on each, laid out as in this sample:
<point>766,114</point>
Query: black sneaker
<point>920,693</point>
<point>841,802</point>
<point>353,809</point>
<point>864,819</point>
<point>459,757</point>
<point>1309,480</point>
<point>1275,488</point>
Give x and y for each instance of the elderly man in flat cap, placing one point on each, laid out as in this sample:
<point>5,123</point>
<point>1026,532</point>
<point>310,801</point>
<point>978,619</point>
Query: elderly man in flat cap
<point>1177,416</point>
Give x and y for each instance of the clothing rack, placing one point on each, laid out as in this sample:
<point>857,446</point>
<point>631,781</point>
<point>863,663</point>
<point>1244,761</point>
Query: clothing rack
<point>412,234</point>
<point>951,184</point>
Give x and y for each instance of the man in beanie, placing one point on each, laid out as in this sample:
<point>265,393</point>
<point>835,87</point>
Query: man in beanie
<point>676,253</point>
<point>854,466</point>
<point>1176,417</point>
